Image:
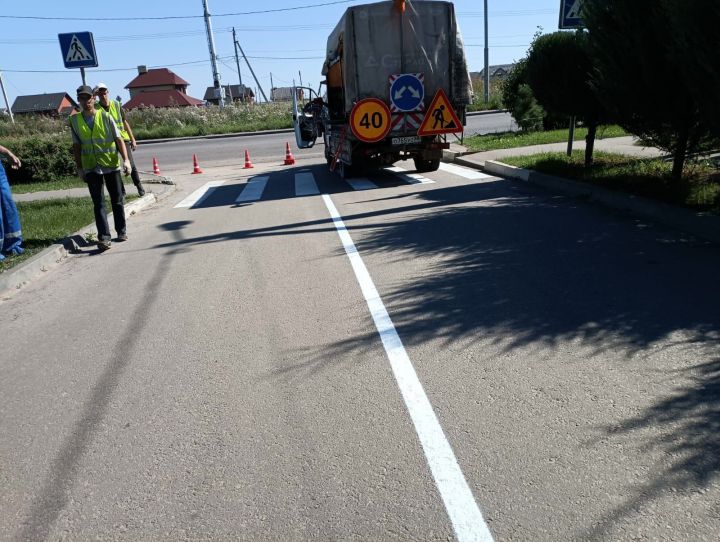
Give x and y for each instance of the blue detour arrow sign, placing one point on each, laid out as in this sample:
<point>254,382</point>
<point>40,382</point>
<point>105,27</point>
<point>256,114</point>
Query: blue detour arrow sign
<point>406,92</point>
<point>78,50</point>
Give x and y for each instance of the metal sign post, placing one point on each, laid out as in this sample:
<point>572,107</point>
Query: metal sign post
<point>78,51</point>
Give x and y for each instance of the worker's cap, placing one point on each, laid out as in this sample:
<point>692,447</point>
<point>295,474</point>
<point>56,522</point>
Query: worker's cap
<point>101,86</point>
<point>84,89</point>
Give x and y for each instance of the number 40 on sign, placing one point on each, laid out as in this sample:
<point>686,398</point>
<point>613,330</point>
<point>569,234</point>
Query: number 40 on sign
<point>370,120</point>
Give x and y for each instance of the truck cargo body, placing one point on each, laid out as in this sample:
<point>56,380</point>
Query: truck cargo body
<point>371,45</point>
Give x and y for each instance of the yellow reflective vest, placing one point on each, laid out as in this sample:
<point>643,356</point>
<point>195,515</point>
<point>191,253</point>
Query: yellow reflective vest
<point>116,114</point>
<point>97,146</point>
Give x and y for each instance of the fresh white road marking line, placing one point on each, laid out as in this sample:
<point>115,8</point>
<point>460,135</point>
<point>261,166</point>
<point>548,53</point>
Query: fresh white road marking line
<point>411,178</point>
<point>464,171</point>
<point>361,183</point>
<point>200,194</point>
<point>460,504</point>
<point>305,184</point>
<point>253,190</point>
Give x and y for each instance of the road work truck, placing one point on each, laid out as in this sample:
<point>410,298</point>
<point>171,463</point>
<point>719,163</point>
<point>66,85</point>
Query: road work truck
<point>396,83</point>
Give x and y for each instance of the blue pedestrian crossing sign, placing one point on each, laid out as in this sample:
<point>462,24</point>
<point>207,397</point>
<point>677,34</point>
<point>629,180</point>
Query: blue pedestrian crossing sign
<point>78,50</point>
<point>571,14</point>
<point>407,92</point>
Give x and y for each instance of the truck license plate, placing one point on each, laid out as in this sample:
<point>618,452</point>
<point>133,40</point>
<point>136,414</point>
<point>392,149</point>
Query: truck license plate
<point>406,140</point>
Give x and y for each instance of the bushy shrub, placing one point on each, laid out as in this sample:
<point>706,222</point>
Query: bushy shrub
<point>27,125</point>
<point>44,158</point>
<point>153,123</point>
<point>527,112</point>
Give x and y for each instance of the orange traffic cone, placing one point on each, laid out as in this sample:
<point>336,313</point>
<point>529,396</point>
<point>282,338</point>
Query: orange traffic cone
<point>289,158</point>
<point>248,163</point>
<point>156,167</point>
<point>196,166</point>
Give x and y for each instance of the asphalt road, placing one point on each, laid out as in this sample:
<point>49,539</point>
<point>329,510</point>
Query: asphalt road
<point>268,148</point>
<point>545,369</point>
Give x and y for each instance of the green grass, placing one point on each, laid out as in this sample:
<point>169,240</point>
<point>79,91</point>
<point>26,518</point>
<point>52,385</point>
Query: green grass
<point>65,183</point>
<point>647,177</point>
<point>511,140</point>
<point>46,222</point>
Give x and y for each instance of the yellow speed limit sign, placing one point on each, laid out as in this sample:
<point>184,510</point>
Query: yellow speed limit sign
<point>370,120</point>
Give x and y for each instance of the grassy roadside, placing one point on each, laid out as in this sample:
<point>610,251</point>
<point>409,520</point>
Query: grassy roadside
<point>65,183</point>
<point>511,140</point>
<point>648,177</point>
<point>46,222</point>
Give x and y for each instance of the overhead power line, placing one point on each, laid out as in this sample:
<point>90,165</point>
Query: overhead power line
<point>166,35</point>
<point>219,58</point>
<point>167,17</point>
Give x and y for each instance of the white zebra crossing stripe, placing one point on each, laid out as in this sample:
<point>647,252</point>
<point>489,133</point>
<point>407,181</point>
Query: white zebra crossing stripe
<point>463,171</point>
<point>305,184</point>
<point>411,178</point>
<point>361,183</point>
<point>200,195</point>
<point>253,190</point>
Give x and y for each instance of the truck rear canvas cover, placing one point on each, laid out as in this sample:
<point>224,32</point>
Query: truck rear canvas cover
<point>375,41</point>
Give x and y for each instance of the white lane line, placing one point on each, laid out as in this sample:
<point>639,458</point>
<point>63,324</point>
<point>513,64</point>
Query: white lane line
<point>200,194</point>
<point>411,178</point>
<point>305,184</point>
<point>253,190</point>
<point>460,504</point>
<point>361,183</point>
<point>463,171</point>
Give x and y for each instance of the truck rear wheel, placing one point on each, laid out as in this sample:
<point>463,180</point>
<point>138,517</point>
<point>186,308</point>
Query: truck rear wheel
<point>423,166</point>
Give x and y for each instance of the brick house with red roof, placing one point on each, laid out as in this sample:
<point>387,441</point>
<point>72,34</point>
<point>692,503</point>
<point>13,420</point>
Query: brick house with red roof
<point>159,87</point>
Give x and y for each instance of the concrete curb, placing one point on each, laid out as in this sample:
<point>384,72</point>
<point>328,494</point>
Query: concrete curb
<point>486,112</point>
<point>18,277</point>
<point>703,225</point>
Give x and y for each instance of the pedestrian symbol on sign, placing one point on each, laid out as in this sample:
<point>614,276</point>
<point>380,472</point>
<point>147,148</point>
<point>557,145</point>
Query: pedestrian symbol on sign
<point>77,51</point>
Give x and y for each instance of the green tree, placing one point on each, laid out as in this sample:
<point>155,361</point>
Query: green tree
<point>526,110</point>
<point>559,70</point>
<point>697,51</point>
<point>640,67</point>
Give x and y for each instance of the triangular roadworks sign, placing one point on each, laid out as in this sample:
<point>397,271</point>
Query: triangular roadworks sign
<point>440,117</point>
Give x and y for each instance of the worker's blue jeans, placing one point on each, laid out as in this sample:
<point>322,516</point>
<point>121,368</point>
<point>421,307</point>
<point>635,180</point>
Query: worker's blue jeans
<point>10,233</point>
<point>113,181</point>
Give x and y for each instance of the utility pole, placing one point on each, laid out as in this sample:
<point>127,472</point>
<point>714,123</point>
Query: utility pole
<point>213,62</point>
<point>271,86</point>
<point>300,74</point>
<point>237,62</point>
<point>252,71</point>
<point>7,105</point>
<point>487,57</point>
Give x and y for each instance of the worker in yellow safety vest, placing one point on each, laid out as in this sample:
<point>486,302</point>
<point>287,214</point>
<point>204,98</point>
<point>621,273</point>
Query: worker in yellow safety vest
<point>102,97</point>
<point>97,149</point>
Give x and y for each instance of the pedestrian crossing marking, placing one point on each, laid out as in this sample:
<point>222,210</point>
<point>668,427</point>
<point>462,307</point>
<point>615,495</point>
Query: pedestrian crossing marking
<point>463,171</point>
<point>305,184</point>
<point>410,178</point>
<point>77,51</point>
<point>361,183</point>
<point>253,190</point>
<point>200,195</point>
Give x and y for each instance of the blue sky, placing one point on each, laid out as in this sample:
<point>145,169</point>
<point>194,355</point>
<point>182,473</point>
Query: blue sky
<point>282,43</point>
